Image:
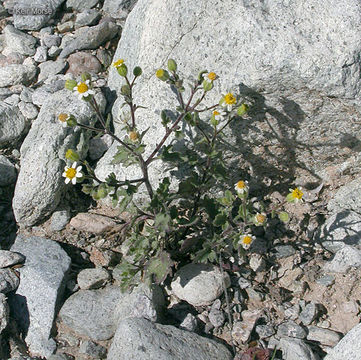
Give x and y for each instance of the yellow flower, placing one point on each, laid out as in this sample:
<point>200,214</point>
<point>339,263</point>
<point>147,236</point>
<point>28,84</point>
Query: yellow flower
<point>260,219</point>
<point>241,187</point>
<point>295,195</point>
<point>228,100</point>
<point>118,63</point>
<point>162,74</point>
<point>212,76</point>
<point>72,173</point>
<point>133,135</point>
<point>83,90</point>
<point>246,240</point>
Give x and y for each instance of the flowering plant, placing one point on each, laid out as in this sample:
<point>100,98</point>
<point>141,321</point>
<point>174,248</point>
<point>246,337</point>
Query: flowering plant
<point>190,222</point>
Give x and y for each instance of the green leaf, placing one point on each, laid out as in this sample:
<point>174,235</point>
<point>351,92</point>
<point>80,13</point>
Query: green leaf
<point>284,217</point>
<point>162,222</point>
<point>210,207</point>
<point>159,267</point>
<point>173,211</point>
<point>220,220</point>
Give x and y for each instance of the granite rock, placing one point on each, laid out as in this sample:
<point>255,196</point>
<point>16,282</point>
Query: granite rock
<point>19,42</point>
<point>7,172</point>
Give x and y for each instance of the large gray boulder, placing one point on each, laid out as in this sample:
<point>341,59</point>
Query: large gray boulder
<point>35,302</point>
<point>40,184</point>
<point>140,339</point>
<point>297,63</point>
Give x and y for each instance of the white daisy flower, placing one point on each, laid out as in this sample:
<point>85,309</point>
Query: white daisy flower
<point>83,90</point>
<point>219,116</point>
<point>241,187</point>
<point>228,100</point>
<point>260,219</point>
<point>246,240</point>
<point>72,173</point>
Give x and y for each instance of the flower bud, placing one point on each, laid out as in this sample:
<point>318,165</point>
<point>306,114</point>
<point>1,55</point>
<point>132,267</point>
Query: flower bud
<point>72,121</point>
<point>72,155</point>
<point>172,65</point>
<point>125,90</point>
<point>207,86</point>
<point>122,70</point>
<point>133,136</point>
<point>102,191</point>
<point>70,84</point>
<point>162,74</point>
<point>137,71</point>
<point>242,109</point>
<point>85,76</point>
<point>284,217</point>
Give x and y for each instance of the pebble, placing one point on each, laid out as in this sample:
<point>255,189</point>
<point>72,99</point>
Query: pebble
<point>309,313</point>
<point>283,251</point>
<point>291,329</point>
<point>12,124</point>
<point>18,41</point>
<point>87,18</point>
<point>59,220</point>
<point>257,262</point>
<point>15,74</point>
<point>26,95</point>
<point>66,27</point>
<point>104,57</point>
<point>4,312</point>
<point>9,258</point>
<point>98,146</point>
<point>92,223</point>
<point>326,280</point>
<point>296,349</point>
<point>92,349</point>
<point>265,331</point>
<point>9,281</point>
<point>323,336</point>
<point>12,100</point>
<point>80,5</point>
<point>344,259</point>
<point>30,111</point>
<point>51,40</point>
<point>216,317</point>
<point>81,62</point>
<point>292,312</point>
<point>93,278</point>
<point>50,68</point>
<point>41,54</point>
<point>189,323</point>
<point>54,51</point>
<point>242,329</point>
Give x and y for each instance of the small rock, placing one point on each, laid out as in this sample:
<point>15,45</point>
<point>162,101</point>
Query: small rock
<point>309,313</point>
<point>344,259</point>
<point>323,336</point>
<point>257,262</point>
<point>291,329</point>
<point>92,278</point>
<point>92,349</point>
<point>80,5</point>
<point>92,223</point>
<point>216,317</point>
<point>51,40</point>
<point>118,9</point>
<point>54,51</point>
<point>9,258</point>
<point>244,283</point>
<point>142,340</point>
<point>7,172</point>
<point>292,312</point>
<point>98,146</point>
<point>189,323</point>
<point>4,312</point>
<point>19,42</point>
<point>326,280</point>
<point>26,95</point>
<point>30,111</point>
<point>199,284</point>
<point>81,62</point>
<point>15,74</point>
<point>12,100</point>
<point>295,349</point>
<point>9,281</point>
<point>50,68</point>
<point>242,329</point>
<point>104,57</point>
<point>92,38</point>
<point>41,54</point>
<point>283,251</point>
<point>265,331</point>
<point>105,257</point>
<point>66,26</point>
<point>59,219</point>
<point>87,18</point>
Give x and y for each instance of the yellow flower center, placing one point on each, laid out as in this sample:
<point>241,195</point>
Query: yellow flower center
<point>229,99</point>
<point>118,63</point>
<point>133,135</point>
<point>241,184</point>
<point>82,88</point>
<point>216,113</point>
<point>247,240</point>
<point>70,173</point>
<point>63,117</point>
<point>260,218</point>
<point>297,194</point>
<point>159,73</point>
<point>212,76</point>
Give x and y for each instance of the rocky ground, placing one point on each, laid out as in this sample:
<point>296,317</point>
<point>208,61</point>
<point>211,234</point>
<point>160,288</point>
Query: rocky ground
<point>298,290</point>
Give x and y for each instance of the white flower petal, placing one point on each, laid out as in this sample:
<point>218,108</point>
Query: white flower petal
<point>79,175</point>
<point>64,174</point>
<point>78,169</point>
<point>73,181</point>
<point>74,165</point>
<point>67,180</point>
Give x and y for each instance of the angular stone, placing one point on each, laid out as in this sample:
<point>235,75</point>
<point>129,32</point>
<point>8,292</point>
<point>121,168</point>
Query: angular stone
<point>88,17</point>
<point>91,39</point>
<point>26,95</point>
<point>291,329</point>
<point>29,111</point>
<point>65,27</point>
<point>98,146</point>
<point>344,259</point>
<point>309,313</point>
<point>296,349</point>
<point>80,5</point>
<point>81,62</point>
<point>50,40</point>
<point>7,173</point>
<point>242,329</point>
<point>12,124</point>
<point>4,312</point>
<point>265,331</point>
<point>93,278</point>
<point>347,197</point>
<point>341,229</point>
<point>323,336</point>
<point>189,323</point>
<point>41,54</point>
<point>348,347</point>
<point>9,258</point>
<point>12,100</point>
<point>92,223</point>
<point>19,42</point>
<point>59,219</point>
<point>199,284</point>
<point>96,313</point>
<point>118,9</point>
<point>50,68</point>
<point>41,287</point>
<point>15,74</point>
<point>40,185</point>
<point>9,281</point>
<point>44,10</point>
<point>143,340</point>
<point>92,349</point>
